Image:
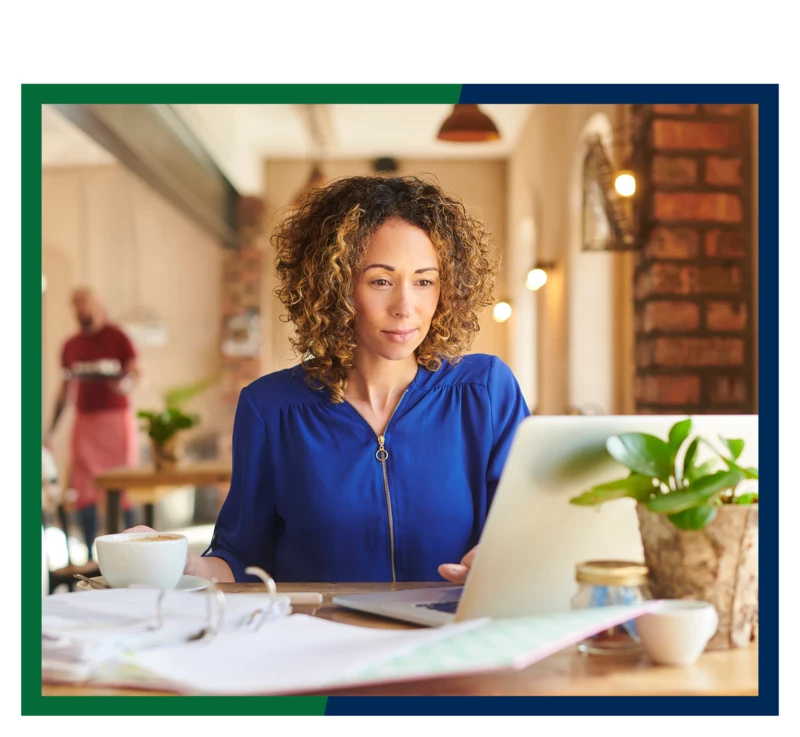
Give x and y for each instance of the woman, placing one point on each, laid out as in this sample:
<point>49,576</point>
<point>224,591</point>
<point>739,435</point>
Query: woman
<point>377,457</point>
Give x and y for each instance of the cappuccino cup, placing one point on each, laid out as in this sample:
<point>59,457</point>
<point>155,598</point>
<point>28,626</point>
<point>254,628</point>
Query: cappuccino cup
<point>154,559</point>
<point>677,631</point>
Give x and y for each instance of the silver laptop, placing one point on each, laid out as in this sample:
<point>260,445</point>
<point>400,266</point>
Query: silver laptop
<point>533,536</point>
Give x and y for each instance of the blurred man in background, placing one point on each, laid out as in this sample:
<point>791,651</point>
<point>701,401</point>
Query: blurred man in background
<point>100,369</point>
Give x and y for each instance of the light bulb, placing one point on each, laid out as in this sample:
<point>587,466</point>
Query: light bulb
<point>537,278</point>
<point>625,184</point>
<point>501,312</point>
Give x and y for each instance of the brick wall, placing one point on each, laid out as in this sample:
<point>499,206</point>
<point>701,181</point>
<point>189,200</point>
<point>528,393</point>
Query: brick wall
<point>241,296</point>
<point>692,281</point>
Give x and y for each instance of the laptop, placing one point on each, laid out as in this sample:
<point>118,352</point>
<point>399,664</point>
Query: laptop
<point>533,537</point>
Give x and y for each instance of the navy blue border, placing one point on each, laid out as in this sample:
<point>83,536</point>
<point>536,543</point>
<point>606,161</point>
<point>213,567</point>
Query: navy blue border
<point>605,94</point>
<point>766,703</point>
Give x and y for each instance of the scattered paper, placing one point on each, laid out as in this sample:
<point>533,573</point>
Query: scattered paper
<point>299,653</point>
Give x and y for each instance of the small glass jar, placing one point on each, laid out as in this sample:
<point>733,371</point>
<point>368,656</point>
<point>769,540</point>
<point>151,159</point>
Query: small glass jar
<point>611,583</point>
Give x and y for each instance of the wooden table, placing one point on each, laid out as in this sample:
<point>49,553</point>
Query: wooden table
<point>146,486</point>
<point>567,673</point>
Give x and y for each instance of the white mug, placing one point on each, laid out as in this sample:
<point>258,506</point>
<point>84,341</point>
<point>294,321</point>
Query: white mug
<point>677,631</point>
<point>142,558</point>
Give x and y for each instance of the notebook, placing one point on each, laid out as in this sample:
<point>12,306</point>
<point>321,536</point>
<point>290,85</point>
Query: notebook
<point>300,653</point>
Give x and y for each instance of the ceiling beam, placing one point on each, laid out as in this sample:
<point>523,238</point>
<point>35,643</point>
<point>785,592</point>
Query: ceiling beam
<point>153,142</point>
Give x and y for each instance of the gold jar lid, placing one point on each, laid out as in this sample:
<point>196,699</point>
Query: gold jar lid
<point>611,573</point>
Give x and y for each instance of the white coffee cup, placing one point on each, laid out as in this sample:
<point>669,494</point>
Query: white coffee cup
<point>677,631</point>
<point>144,558</point>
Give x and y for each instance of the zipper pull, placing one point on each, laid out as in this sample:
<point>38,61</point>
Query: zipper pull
<point>382,454</point>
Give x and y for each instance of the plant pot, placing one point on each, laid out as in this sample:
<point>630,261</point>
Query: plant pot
<point>168,454</point>
<point>718,564</point>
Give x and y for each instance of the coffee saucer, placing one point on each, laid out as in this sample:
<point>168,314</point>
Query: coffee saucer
<point>187,583</point>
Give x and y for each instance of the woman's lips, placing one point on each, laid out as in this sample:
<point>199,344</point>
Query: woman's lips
<point>399,336</point>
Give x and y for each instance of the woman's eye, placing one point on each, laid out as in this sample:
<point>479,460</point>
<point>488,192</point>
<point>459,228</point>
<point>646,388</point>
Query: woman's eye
<point>425,283</point>
<point>380,282</point>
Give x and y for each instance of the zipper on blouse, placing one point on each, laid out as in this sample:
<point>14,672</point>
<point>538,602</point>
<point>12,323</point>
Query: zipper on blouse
<point>382,455</point>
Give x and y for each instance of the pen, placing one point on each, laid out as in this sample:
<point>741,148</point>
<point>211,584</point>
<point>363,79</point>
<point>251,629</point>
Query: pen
<point>305,598</point>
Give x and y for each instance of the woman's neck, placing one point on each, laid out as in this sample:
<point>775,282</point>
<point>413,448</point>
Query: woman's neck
<point>379,383</point>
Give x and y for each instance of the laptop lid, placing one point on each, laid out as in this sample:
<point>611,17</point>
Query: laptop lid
<point>533,536</point>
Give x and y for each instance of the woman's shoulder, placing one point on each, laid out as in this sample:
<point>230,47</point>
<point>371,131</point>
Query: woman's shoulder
<point>474,368</point>
<point>282,389</point>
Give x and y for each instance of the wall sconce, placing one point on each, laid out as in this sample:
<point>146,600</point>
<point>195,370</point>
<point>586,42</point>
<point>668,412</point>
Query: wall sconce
<point>502,311</point>
<point>625,183</point>
<point>537,276</point>
<point>611,218</point>
<point>468,124</point>
<point>628,141</point>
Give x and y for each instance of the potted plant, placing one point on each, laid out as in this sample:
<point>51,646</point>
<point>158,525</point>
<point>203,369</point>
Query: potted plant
<point>698,522</point>
<point>163,426</point>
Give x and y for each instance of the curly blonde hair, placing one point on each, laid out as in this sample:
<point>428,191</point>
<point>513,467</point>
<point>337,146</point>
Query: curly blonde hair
<point>322,242</point>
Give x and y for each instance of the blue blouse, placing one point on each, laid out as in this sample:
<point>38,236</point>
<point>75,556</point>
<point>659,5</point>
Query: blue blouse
<point>312,498</point>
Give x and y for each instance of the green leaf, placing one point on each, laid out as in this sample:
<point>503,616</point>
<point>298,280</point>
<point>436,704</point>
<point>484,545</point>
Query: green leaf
<point>635,486</point>
<point>749,473</point>
<point>750,498</point>
<point>678,434</point>
<point>688,459</point>
<point>735,447</point>
<point>161,426</point>
<point>694,518</point>
<point>177,396</point>
<point>704,469</point>
<point>699,492</point>
<point>183,422</point>
<point>642,453</point>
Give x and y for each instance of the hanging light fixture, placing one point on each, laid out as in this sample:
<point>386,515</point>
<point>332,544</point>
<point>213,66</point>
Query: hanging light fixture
<point>316,177</point>
<point>468,124</point>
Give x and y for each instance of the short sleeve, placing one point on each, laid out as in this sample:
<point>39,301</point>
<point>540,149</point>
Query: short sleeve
<point>127,351</point>
<point>244,534</point>
<point>508,410</point>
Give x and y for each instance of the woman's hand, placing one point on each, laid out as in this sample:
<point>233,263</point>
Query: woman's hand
<point>457,572</point>
<point>121,386</point>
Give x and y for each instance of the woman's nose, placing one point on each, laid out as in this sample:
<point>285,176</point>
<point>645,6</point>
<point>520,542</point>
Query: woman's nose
<point>401,306</point>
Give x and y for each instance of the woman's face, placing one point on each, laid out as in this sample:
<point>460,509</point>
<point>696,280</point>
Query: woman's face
<point>397,291</point>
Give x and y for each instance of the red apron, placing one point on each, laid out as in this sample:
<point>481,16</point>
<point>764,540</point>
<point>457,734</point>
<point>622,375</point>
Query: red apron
<point>101,441</point>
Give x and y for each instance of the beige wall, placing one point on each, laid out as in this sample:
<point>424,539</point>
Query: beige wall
<point>480,184</point>
<point>542,191</point>
<point>103,228</point>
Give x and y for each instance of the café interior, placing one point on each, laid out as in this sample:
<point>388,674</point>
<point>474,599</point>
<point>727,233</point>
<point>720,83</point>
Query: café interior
<point>626,237</point>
